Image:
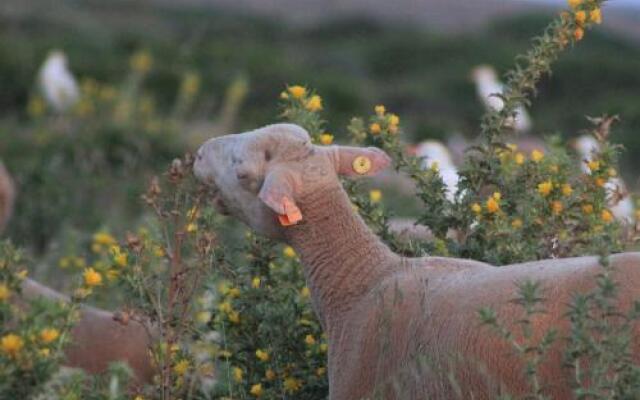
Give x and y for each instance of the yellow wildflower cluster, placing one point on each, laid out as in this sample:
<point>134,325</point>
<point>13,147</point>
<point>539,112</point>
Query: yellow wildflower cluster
<point>384,122</point>
<point>102,241</point>
<point>584,13</point>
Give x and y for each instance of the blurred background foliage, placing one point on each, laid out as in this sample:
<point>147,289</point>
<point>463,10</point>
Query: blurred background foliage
<point>99,165</point>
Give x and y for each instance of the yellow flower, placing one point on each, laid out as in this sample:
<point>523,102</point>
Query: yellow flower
<point>326,139</point>
<point>321,371</point>
<point>289,252</point>
<point>492,205</point>
<point>606,216</point>
<point>112,274</point>
<point>234,317</point>
<point>380,110</point>
<point>5,292</point>
<point>476,208</point>
<point>48,335</point>
<point>192,227</point>
<point>158,251</point>
<point>600,182</point>
<point>593,165</point>
<point>11,344</point>
<point>393,129</point>
<point>324,347</point>
<point>310,340</point>
<point>394,120</point>
<point>519,158</point>
<point>581,17</point>
<point>233,293</point>
<point>375,196</point>
<point>203,317</point>
<point>375,128</point>
<point>225,307</point>
<point>567,189</point>
<point>291,384</point>
<point>537,155</point>
<point>255,282</point>
<point>181,367</point>
<point>587,208</point>
<point>262,355</point>
<point>119,257</point>
<point>612,172</point>
<point>578,34</point>
<point>92,277</point>
<point>314,103</point>
<point>304,292</point>
<point>141,62</point>
<point>256,390</point>
<point>237,374</point>
<point>297,91</point>
<point>103,238</point>
<point>596,16</point>
<point>574,3</point>
<point>270,375</point>
<point>497,196</point>
<point>545,188</point>
<point>516,223</point>
<point>557,207</point>
<point>64,262</point>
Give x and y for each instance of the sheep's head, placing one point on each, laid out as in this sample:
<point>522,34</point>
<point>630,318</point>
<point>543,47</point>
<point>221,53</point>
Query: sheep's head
<point>258,176</point>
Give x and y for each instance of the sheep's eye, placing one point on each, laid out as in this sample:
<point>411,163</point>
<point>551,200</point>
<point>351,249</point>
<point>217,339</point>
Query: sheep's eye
<point>267,155</point>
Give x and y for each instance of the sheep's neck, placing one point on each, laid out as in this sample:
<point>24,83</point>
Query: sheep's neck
<point>343,258</point>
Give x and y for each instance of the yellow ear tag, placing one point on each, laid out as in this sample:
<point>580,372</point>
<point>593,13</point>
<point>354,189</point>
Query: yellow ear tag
<point>361,165</point>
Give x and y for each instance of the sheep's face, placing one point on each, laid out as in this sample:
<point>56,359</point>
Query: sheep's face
<point>258,176</point>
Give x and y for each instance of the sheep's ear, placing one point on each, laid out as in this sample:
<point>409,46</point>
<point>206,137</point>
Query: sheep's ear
<point>277,194</point>
<point>359,161</point>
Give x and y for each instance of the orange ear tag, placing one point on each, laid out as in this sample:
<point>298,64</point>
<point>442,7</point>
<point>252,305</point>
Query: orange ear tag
<point>292,213</point>
<point>361,165</point>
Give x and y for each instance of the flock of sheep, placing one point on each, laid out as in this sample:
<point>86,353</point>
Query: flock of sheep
<point>384,314</point>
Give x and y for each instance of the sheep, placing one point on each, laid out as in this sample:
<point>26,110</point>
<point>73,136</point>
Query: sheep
<point>7,196</point>
<point>435,153</point>
<point>101,337</point>
<point>57,83</point>
<point>381,311</point>
<point>488,86</point>
<point>98,339</point>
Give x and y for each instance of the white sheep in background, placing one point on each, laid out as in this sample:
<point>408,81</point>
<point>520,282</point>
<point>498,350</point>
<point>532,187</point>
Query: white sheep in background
<point>57,83</point>
<point>487,85</point>
<point>383,312</point>
<point>620,201</point>
<point>434,152</point>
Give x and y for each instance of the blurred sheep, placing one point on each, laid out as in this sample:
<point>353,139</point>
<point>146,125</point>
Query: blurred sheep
<point>57,83</point>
